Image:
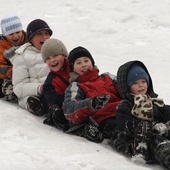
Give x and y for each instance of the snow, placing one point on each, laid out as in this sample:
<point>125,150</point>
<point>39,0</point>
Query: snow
<point>114,32</point>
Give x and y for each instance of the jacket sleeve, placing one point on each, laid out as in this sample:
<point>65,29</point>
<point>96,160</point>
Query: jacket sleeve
<point>161,114</point>
<point>21,79</point>
<point>50,93</point>
<point>5,68</point>
<point>125,120</point>
<point>77,108</point>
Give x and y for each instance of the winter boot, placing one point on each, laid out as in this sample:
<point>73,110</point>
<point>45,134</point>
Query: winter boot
<point>7,90</point>
<point>108,128</point>
<point>59,119</point>
<point>142,139</point>
<point>160,148</point>
<point>92,133</point>
<point>35,106</point>
<point>123,143</point>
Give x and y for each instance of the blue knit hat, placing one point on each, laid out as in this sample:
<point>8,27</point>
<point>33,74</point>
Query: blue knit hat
<point>10,24</point>
<point>135,73</point>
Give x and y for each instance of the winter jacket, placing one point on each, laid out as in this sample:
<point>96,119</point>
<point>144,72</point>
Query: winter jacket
<point>6,52</point>
<point>124,117</point>
<point>77,105</point>
<point>29,71</point>
<point>56,84</point>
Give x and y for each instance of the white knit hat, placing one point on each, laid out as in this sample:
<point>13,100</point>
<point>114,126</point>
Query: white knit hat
<point>10,24</point>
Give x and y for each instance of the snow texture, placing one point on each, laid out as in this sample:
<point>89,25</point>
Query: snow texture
<point>114,31</point>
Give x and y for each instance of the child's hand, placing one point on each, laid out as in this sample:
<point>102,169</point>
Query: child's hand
<point>100,101</point>
<point>161,128</point>
<point>40,89</point>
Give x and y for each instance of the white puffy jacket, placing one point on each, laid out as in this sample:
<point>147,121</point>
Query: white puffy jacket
<point>29,71</point>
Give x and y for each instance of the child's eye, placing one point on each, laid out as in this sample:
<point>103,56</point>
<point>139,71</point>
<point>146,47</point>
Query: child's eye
<point>78,63</point>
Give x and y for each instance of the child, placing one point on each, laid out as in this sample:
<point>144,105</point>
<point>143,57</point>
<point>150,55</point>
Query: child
<point>29,70</point>
<point>12,37</point>
<point>91,99</point>
<point>54,54</point>
<point>141,116</point>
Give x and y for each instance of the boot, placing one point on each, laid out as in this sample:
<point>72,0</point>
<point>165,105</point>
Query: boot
<point>35,106</point>
<point>59,119</point>
<point>160,148</point>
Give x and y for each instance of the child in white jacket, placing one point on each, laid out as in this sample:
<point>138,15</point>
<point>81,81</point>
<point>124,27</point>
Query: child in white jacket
<point>29,70</point>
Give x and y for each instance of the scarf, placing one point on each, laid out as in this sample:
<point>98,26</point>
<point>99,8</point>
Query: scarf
<point>143,106</point>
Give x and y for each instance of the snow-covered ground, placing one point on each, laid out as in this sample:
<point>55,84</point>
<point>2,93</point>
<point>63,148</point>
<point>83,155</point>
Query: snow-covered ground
<point>114,32</point>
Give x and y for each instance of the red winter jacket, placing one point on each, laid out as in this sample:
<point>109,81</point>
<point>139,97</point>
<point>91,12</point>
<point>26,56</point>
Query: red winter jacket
<point>77,105</point>
<point>56,84</point>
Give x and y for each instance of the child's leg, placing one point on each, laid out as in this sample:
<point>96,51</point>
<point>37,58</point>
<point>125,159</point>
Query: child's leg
<point>160,148</point>
<point>56,118</point>
<point>142,139</point>
<point>108,128</point>
<point>1,94</point>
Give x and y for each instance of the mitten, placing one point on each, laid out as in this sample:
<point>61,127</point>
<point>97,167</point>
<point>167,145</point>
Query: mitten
<point>100,101</point>
<point>160,128</point>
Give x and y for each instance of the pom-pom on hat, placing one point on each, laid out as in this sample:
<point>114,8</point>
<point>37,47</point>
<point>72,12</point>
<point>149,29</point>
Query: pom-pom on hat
<point>135,73</point>
<point>77,53</point>
<point>35,26</point>
<point>10,24</point>
<point>52,47</point>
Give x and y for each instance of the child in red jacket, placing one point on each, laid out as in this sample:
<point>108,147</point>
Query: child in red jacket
<point>54,54</point>
<point>91,99</point>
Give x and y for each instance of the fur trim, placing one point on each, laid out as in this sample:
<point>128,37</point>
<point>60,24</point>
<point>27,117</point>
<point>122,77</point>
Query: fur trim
<point>8,54</point>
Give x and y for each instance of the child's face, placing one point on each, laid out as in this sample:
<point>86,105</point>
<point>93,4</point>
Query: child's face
<point>81,65</point>
<point>55,63</point>
<point>139,87</point>
<point>15,38</point>
<point>39,38</point>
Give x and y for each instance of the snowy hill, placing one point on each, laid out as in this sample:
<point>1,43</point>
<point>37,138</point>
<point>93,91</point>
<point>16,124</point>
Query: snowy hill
<point>114,32</point>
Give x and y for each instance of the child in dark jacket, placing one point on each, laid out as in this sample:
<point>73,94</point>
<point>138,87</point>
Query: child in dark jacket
<point>54,54</point>
<point>91,99</point>
<point>142,118</point>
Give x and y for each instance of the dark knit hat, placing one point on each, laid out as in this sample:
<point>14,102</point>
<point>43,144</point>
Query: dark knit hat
<point>135,73</point>
<point>52,47</point>
<point>77,53</point>
<point>36,26</point>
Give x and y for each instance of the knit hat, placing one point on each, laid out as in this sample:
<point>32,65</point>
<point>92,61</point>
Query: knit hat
<point>135,73</point>
<point>52,47</point>
<point>77,53</point>
<point>10,24</point>
<point>35,26</point>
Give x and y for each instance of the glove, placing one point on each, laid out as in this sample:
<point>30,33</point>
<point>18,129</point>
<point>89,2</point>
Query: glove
<point>100,101</point>
<point>161,128</point>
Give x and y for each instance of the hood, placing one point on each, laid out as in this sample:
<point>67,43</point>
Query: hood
<point>122,80</point>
